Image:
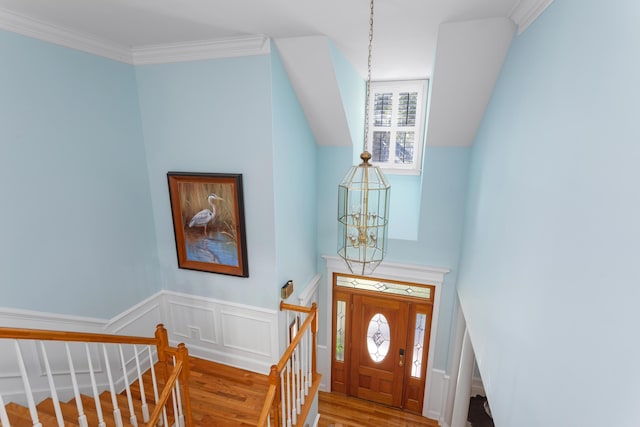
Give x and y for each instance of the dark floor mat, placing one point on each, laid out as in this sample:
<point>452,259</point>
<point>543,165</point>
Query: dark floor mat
<point>478,417</point>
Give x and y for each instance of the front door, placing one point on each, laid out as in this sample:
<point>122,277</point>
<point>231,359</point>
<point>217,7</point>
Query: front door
<point>378,349</point>
<point>380,340</point>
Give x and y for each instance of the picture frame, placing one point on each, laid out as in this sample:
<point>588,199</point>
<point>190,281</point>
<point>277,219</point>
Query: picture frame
<point>208,222</point>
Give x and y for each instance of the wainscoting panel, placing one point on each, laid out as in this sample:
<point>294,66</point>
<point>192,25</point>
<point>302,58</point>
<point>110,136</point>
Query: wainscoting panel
<point>188,322</point>
<point>248,334</point>
<point>233,334</point>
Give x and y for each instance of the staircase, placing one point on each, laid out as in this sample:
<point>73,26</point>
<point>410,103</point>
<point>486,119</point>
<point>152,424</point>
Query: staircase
<point>221,395</point>
<point>144,381</point>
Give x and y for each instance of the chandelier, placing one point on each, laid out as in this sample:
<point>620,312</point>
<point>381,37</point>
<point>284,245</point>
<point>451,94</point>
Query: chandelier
<point>363,203</point>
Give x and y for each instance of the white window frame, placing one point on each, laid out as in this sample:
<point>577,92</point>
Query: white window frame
<point>396,87</point>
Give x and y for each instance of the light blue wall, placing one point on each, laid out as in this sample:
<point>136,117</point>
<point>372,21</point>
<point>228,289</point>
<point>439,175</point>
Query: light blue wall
<point>294,171</point>
<point>76,232</point>
<point>442,204</point>
<point>549,277</point>
<point>213,116</point>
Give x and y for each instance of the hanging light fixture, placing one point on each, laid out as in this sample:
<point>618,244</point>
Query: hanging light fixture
<point>363,203</point>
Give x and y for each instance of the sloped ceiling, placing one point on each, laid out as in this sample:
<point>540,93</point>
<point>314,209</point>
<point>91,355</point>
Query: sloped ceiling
<point>405,38</point>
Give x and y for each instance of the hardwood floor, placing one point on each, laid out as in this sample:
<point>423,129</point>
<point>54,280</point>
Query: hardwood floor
<point>227,396</point>
<point>222,395</point>
<point>343,411</point>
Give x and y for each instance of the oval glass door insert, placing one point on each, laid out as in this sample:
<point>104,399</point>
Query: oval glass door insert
<point>378,337</point>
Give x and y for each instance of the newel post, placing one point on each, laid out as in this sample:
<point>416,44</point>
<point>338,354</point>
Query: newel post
<point>274,380</point>
<point>182,355</point>
<point>163,344</point>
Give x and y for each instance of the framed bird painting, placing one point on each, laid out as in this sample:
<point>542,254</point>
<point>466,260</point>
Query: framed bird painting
<point>208,222</point>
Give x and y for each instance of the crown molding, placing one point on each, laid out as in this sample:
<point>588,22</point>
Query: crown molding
<point>46,32</point>
<point>527,11</point>
<point>203,49</point>
<point>152,54</point>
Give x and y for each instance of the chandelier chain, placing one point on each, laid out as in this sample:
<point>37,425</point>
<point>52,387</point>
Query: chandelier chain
<point>367,107</point>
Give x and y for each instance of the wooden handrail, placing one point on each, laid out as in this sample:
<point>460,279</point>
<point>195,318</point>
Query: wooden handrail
<point>166,392</point>
<point>294,343</point>
<point>45,335</point>
<point>273,398</point>
<point>291,307</point>
<point>271,394</point>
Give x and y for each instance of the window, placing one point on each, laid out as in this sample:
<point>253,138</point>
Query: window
<point>396,125</point>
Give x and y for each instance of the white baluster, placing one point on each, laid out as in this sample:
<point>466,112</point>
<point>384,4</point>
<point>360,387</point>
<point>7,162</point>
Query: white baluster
<point>82,418</point>
<point>94,387</point>
<point>310,357</point>
<point>176,421</point>
<point>27,387</point>
<point>155,384</point>
<point>307,359</point>
<point>303,364</point>
<point>52,387</point>
<point>299,372</point>
<point>290,401</point>
<point>143,398</point>
<point>283,394</point>
<point>179,396</point>
<point>4,418</point>
<point>132,415</point>
<point>117,414</point>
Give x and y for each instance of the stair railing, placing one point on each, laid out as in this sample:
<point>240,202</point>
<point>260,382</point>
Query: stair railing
<point>173,363</point>
<point>294,381</point>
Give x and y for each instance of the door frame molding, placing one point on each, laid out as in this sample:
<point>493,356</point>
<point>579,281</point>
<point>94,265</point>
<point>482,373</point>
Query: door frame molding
<point>392,271</point>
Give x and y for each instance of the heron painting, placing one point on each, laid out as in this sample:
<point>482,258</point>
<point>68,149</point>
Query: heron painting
<point>205,216</point>
<point>208,222</point>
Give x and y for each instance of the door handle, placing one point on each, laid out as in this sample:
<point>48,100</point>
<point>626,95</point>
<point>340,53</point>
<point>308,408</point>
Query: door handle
<point>401,363</point>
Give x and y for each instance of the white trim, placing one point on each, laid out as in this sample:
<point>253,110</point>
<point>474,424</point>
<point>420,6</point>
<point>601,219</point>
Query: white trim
<point>395,271</point>
<point>527,11</point>
<point>202,49</point>
<point>306,297</point>
<point>66,37</point>
<point>18,318</point>
<point>152,54</point>
<point>420,86</point>
<point>434,407</point>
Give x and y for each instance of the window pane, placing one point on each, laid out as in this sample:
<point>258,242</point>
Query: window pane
<point>418,345</point>
<point>380,146</point>
<point>378,337</point>
<point>382,109</point>
<point>404,147</point>
<point>340,317</point>
<point>405,289</point>
<point>407,105</point>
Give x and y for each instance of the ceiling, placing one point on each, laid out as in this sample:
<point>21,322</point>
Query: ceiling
<point>404,36</point>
